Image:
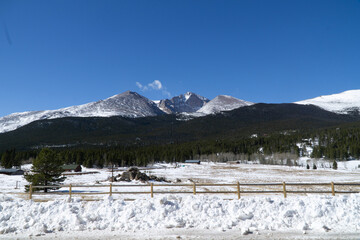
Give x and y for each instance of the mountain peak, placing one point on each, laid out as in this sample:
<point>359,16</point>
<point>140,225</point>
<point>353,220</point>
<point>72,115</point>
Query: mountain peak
<point>126,104</point>
<point>188,102</point>
<point>343,103</point>
<point>223,103</point>
<point>124,94</point>
<point>187,95</point>
<point>130,93</point>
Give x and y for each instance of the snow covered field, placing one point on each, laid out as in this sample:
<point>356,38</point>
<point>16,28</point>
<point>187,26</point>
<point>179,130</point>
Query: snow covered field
<point>188,216</point>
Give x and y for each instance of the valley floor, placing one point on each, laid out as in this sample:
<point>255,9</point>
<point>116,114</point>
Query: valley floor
<point>187,216</point>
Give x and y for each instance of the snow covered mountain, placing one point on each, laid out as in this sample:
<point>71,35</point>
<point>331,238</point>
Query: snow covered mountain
<point>223,103</point>
<point>128,104</point>
<point>343,103</point>
<point>131,104</point>
<point>189,102</point>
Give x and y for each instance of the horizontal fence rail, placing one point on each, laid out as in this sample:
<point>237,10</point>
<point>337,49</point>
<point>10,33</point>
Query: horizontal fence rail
<point>194,188</point>
<point>238,189</point>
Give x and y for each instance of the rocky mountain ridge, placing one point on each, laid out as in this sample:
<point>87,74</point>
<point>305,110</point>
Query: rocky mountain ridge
<point>188,102</point>
<point>127,104</point>
<point>133,105</point>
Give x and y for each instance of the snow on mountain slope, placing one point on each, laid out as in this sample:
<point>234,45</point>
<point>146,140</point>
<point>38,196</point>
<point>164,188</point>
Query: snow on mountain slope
<point>127,104</point>
<point>189,102</point>
<point>344,103</point>
<point>223,103</point>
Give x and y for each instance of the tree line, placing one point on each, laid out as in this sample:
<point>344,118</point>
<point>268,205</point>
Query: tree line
<point>335,143</point>
<point>175,152</point>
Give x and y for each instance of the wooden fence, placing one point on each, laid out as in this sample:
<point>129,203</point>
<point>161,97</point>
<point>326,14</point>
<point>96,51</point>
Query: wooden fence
<point>195,188</point>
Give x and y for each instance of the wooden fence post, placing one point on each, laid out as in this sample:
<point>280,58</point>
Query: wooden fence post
<point>30,191</point>
<point>152,190</point>
<point>70,191</point>
<point>110,189</point>
<point>284,188</point>
<point>194,188</point>
<point>238,190</point>
<point>333,188</point>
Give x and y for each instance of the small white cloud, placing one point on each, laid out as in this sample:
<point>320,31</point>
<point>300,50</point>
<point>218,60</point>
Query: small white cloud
<point>142,88</point>
<point>139,85</point>
<point>155,85</point>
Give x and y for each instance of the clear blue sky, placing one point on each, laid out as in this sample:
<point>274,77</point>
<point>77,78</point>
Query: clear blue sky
<point>55,54</point>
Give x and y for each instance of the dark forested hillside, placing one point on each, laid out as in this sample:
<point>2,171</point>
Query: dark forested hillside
<point>169,129</point>
<point>258,130</point>
<point>331,143</point>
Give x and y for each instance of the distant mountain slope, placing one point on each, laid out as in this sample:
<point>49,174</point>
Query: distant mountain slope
<point>100,131</point>
<point>133,105</point>
<point>189,103</point>
<point>344,103</point>
<point>128,104</point>
<point>223,103</point>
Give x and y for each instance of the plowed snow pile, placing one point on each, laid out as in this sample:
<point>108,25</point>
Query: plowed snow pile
<point>318,214</point>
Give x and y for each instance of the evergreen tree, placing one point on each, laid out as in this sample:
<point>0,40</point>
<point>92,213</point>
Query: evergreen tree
<point>46,170</point>
<point>335,165</point>
<point>9,159</point>
<point>6,161</point>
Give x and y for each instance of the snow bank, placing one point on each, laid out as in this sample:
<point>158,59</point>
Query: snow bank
<point>316,213</point>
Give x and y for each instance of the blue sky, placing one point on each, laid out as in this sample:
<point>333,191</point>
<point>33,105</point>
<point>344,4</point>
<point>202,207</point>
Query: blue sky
<point>55,54</point>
